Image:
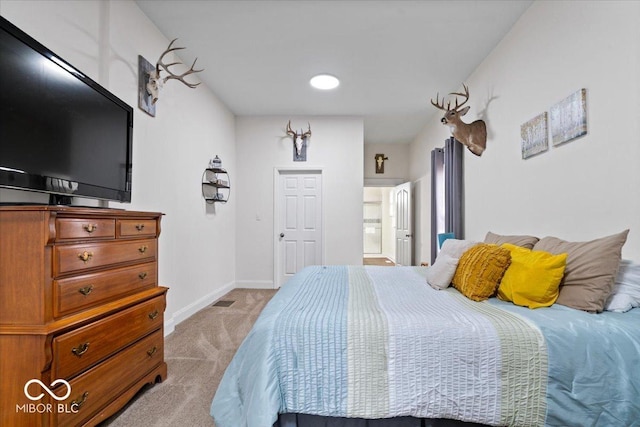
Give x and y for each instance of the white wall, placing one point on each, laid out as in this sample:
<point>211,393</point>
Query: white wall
<point>103,39</point>
<point>394,168</point>
<point>336,146</point>
<point>581,190</point>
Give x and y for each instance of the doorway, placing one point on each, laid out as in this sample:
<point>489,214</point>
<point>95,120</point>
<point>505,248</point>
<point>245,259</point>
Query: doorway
<point>378,223</point>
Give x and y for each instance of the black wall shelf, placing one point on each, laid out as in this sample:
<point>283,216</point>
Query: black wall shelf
<point>216,186</point>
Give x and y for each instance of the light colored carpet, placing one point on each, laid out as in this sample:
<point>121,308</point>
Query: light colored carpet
<point>378,261</point>
<point>197,354</point>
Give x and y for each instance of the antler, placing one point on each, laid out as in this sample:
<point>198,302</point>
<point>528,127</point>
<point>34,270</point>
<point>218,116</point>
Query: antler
<point>441,106</point>
<point>307,133</point>
<point>165,67</point>
<point>465,94</point>
<point>438,105</point>
<point>289,130</point>
<point>296,134</point>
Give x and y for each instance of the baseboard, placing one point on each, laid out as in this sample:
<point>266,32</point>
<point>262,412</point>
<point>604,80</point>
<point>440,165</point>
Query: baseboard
<point>188,311</point>
<point>255,284</point>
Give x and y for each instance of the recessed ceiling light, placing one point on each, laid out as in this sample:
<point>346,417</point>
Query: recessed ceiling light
<point>324,81</point>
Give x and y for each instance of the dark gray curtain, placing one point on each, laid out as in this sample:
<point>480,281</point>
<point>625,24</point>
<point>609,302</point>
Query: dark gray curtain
<point>447,162</point>
<point>437,198</point>
<point>454,187</point>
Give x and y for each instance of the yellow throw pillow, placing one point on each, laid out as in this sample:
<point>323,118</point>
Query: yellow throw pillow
<point>533,279</point>
<point>480,270</point>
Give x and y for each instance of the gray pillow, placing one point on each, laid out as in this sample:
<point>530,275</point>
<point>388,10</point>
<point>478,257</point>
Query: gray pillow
<point>524,241</point>
<point>591,269</point>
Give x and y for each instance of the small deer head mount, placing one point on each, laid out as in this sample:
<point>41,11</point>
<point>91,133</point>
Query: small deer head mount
<point>472,135</point>
<point>156,82</point>
<point>299,142</point>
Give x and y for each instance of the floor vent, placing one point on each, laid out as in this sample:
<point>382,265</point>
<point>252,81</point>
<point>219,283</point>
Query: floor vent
<point>223,303</point>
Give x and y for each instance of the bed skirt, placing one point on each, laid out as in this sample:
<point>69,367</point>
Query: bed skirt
<point>303,420</point>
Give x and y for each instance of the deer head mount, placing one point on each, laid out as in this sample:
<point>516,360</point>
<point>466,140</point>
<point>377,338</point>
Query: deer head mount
<point>299,141</point>
<point>472,135</point>
<point>156,82</point>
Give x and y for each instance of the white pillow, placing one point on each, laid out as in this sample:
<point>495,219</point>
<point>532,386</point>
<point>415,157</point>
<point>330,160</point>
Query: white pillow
<point>439,275</point>
<point>626,291</point>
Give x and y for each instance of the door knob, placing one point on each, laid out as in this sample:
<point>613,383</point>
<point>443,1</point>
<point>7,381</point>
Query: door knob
<point>281,235</point>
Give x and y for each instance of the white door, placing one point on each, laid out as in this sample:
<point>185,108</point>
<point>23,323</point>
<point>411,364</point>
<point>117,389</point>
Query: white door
<point>404,227</point>
<point>299,231</point>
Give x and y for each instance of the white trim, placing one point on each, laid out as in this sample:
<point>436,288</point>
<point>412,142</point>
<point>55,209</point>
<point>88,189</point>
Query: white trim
<point>277,171</point>
<point>255,284</point>
<point>383,182</point>
<point>188,311</point>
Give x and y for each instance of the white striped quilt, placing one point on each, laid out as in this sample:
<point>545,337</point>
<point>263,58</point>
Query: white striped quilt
<point>384,344</point>
<point>378,342</point>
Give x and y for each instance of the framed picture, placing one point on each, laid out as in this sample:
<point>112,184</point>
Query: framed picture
<point>144,98</point>
<point>569,118</point>
<point>533,136</point>
<point>380,158</point>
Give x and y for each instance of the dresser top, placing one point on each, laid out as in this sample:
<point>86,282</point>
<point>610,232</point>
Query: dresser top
<point>77,210</point>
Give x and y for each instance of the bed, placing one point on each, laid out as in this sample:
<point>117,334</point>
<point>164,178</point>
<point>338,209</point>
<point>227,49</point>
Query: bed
<point>378,343</point>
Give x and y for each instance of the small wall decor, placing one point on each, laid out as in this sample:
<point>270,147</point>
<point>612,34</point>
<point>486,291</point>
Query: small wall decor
<point>380,158</point>
<point>569,118</point>
<point>145,100</point>
<point>216,162</point>
<point>534,136</point>
<point>150,82</point>
<point>472,135</point>
<point>299,143</point>
<point>216,185</point>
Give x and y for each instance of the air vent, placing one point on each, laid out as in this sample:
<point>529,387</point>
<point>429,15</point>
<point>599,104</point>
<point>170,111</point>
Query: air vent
<point>223,303</point>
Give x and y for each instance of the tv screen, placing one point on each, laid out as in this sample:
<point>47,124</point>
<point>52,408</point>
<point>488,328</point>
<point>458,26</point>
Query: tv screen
<point>60,132</point>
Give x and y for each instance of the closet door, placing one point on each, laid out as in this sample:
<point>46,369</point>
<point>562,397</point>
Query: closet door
<point>299,238</point>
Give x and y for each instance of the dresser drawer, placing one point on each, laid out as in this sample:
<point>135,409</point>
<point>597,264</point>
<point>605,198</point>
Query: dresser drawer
<point>135,227</point>
<point>72,258</point>
<point>81,292</point>
<point>75,351</point>
<point>94,389</point>
<point>78,228</point>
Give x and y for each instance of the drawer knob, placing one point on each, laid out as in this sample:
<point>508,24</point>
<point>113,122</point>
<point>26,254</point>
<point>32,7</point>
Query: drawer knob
<point>139,227</point>
<point>79,402</point>
<point>81,349</point>
<point>142,275</point>
<point>152,351</point>
<point>85,256</point>
<point>143,249</point>
<point>90,228</point>
<point>86,290</point>
<point>153,314</point>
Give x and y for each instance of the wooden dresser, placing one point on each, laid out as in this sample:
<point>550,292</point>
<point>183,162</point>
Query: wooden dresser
<point>79,304</point>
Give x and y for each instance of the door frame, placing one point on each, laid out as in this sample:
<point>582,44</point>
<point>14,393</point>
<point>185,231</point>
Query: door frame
<point>277,172</point>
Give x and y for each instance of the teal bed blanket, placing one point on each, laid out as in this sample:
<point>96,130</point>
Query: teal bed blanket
<point>378,342</point>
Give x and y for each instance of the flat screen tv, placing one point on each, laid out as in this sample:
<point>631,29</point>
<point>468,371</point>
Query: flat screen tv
<point>60,132</point>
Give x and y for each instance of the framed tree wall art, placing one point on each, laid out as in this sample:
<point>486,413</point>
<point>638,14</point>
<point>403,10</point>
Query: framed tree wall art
<point>145,99</point>
<point>533,136</point>
<point>568,118</point>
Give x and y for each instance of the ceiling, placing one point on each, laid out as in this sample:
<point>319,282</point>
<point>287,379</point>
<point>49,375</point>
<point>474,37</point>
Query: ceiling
<point>391,56</point>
